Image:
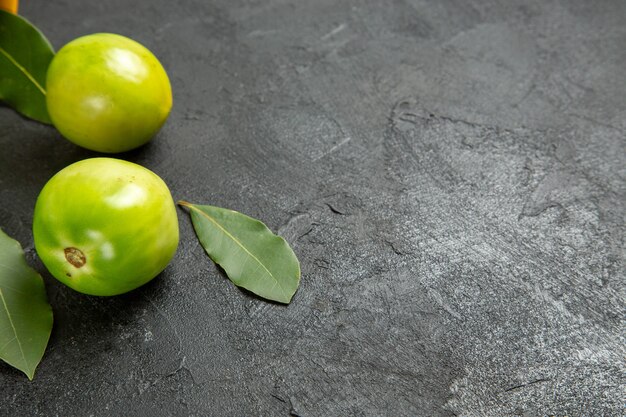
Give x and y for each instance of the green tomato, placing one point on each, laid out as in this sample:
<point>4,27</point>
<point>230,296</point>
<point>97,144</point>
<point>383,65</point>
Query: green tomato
<point>104,226</point>
<point>107,93</point>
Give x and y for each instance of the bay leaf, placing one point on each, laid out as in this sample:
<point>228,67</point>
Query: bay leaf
<point>25,315</point>
<point>25,55</point>
<point>252,256</point>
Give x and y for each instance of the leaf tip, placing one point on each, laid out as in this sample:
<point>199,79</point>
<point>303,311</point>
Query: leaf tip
<point>28,371</point>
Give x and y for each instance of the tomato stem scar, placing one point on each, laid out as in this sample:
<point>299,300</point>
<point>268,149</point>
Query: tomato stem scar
<point>75,256</point>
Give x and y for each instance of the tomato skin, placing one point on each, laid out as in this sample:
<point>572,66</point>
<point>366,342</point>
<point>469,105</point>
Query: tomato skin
<point>104,226</point>
<point>107,93</point>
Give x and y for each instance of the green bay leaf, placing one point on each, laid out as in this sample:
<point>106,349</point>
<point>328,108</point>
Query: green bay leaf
<point>25,55</point>
<point>25,315</point>
<point>252,256</point>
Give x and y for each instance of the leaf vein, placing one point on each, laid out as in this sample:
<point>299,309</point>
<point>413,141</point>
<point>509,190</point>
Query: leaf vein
<point>7,344</point>
<point>23,71</point>
<point>19,344</point>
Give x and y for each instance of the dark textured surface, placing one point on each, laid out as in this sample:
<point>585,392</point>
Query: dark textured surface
<point>450,173</point>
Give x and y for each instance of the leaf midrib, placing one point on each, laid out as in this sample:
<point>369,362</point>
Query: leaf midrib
<point>23,70</point>
<point>17,339</point>
<point>193,207</point>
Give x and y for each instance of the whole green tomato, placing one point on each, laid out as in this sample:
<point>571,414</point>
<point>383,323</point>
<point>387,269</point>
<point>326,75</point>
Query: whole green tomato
<point>107,93</point>
<point>104,226</point>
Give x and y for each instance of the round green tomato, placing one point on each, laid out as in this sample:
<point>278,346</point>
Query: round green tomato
<point>107,93</point>
<point>104,226</point>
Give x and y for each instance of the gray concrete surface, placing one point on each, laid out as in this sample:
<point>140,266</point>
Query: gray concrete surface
<point>450,173</point>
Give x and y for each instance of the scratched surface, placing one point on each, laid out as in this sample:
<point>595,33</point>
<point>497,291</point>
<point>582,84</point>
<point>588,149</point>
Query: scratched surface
<point>450,173</point>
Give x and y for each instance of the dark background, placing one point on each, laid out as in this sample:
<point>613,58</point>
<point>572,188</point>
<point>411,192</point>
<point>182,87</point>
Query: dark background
<point>451,175</point>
